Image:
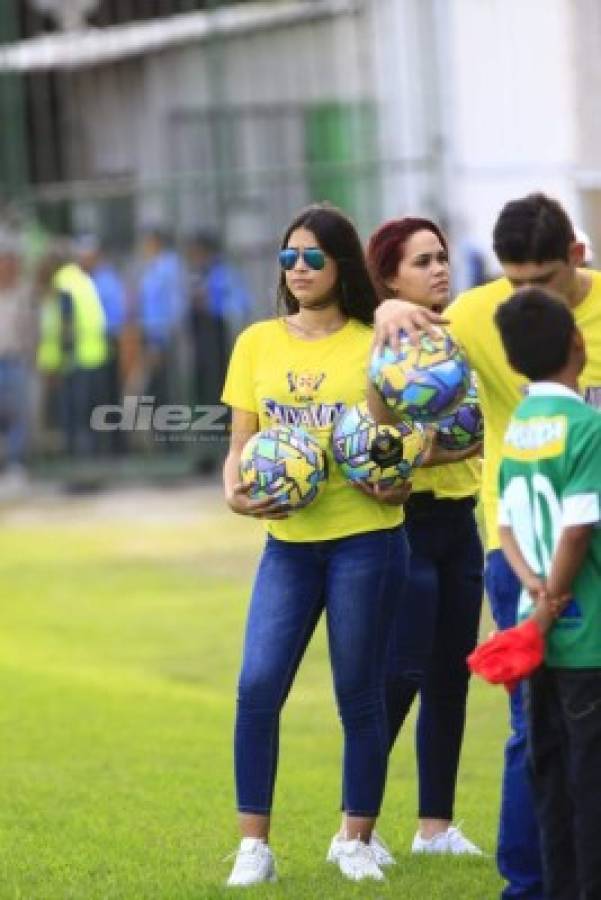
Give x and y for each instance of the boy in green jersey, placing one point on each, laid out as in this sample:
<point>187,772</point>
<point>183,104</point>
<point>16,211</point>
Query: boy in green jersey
<point>550,525</point>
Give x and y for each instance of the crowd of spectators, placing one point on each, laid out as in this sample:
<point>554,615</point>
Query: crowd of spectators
<point>78,331</point>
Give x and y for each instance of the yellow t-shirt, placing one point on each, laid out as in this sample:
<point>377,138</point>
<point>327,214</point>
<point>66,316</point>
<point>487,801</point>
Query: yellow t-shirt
<point>290,381</point>
<point>500,389</point>
<point>451,481</point>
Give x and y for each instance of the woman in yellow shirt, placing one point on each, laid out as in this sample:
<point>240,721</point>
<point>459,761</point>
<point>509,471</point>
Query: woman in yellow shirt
<point>345,554</point>
<point>437,624</point>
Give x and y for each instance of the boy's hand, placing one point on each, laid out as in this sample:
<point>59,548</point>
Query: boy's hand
<point>548,609</point>
<point>536,587</point>
<point>558,604</point>
<point>543,613</point>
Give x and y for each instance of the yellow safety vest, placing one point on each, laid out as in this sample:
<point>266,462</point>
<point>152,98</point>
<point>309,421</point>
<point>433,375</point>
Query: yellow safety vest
<point>89,323</point>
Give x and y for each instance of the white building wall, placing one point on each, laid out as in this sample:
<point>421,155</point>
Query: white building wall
<point>112,100</point>
<point>480,101</point>
<point>513,111</point>
<point>301,63</point>
<point>586,29</point>
<point>405,81</point>
<point>383,52</point>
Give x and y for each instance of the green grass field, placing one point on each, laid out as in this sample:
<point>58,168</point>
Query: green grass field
<point>120,633</point>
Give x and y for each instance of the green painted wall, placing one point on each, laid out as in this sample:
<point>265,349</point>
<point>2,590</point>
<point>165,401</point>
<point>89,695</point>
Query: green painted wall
<point>341,150</point>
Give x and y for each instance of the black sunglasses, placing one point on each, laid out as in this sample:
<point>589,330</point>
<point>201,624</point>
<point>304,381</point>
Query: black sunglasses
<point>312,256</point>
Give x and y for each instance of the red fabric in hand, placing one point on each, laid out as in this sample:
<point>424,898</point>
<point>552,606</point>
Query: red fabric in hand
<point>508,656</point>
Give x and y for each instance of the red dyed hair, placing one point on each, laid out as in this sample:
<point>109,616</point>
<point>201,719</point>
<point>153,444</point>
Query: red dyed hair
<point>386,247</point>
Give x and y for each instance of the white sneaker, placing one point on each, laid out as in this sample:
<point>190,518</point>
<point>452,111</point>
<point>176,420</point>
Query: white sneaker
<point>382,854</point>
<point>254,864</point>
<point>356,860</point>
<point>451,841</point>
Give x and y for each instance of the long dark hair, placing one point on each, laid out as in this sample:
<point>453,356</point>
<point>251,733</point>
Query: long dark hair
<point>338,238</point>
<point>386,247</point>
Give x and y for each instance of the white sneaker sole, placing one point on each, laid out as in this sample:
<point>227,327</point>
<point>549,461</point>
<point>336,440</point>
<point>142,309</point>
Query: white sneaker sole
<point>379,878</point>
<point>422,851</point>
<point>244,884</point>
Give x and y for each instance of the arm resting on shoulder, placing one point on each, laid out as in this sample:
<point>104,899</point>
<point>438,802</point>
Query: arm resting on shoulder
<point>392,316</point>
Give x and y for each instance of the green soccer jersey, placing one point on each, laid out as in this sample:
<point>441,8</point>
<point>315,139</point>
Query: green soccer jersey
<point>550,477</point>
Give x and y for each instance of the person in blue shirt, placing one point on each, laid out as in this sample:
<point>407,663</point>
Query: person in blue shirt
<point>220,306</point>
<point>162,303</point>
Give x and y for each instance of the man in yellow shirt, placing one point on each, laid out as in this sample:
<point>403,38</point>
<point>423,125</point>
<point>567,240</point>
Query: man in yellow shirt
<point>535,243</point>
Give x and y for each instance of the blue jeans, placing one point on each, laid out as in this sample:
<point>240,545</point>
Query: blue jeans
<point>78,390</point>
<point>14,407</point>
<point>518,848</point>
<point>356,580</point>
<point>436,627</point>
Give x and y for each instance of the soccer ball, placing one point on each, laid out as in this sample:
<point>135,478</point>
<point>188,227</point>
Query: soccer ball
<point>463,428</point>
<point>423,382</point>
<point>376,454</point>
<point>284,464</point>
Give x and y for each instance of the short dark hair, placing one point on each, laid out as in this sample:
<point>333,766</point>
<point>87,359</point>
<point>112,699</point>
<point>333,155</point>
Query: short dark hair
<point>533,229</point>
<point>158,232</point>
<point>536,331</point>
<point>338,237</point>
<point>206,239</point>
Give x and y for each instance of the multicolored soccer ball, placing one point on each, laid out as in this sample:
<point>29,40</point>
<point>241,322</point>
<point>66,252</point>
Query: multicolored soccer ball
<point>284,464</point>
<point>376,454</point>
<point>463,428</point>
<point>423,382</point>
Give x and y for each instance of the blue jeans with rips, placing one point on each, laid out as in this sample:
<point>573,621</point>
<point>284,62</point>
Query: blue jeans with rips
<point>356,580</point>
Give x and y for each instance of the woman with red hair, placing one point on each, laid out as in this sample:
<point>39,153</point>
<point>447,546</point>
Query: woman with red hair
<point>437,626</point>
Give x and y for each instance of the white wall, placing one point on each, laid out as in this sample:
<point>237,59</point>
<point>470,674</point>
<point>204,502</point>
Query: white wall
<point>405,80</point>
<point>480,100</point>
<point>384,53</point>
<point>304,63</point>
<point>586,27</point>
<point>308,62</point>
<point>512,107</point>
